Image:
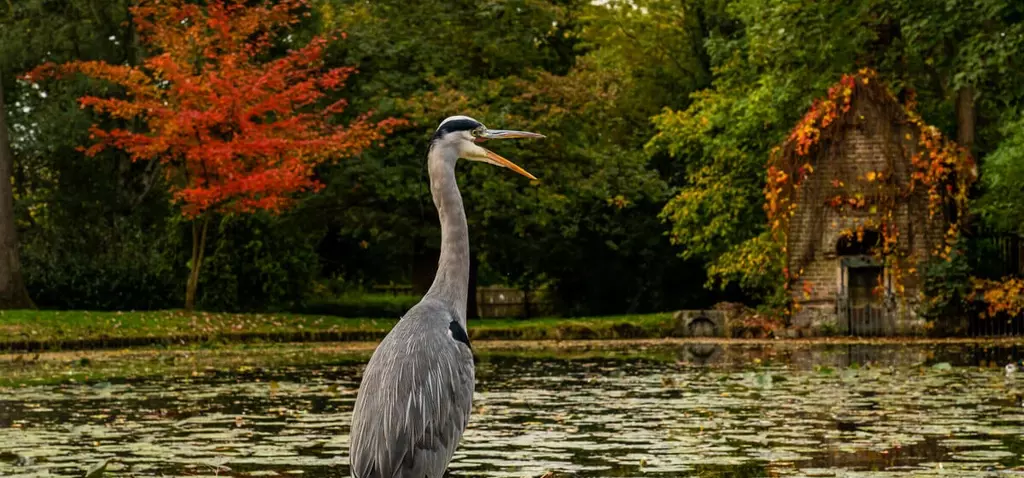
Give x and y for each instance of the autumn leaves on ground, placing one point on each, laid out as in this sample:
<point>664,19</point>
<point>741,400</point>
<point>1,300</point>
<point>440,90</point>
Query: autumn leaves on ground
<point>69,330</point>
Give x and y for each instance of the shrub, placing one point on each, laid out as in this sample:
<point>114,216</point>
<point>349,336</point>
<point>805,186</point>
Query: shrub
<point>947,285</point>
<point>128,270</point>
<point>258,262</point>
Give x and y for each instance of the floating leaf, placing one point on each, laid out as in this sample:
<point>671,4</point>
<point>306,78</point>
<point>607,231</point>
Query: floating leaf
<point>97,470</point>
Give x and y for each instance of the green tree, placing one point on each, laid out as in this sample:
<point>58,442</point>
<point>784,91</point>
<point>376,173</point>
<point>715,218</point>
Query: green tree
<point>963,56</point>
<point>377,208</point>
<point>81,219</point>
<point>658,44</point>
<point>1002,205</point>
<point>31,30</point>
<point>12,287</point>
<point>771,58</point>
<point>595,206</point>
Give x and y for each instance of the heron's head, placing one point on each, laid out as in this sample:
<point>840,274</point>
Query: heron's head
<point>464,135</point>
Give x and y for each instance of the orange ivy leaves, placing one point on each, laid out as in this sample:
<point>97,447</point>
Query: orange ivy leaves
<point>777,203</point>
<point>823,112</point>
<point>938,166</point>
<point>1005,296</point>
<point>942,167</point>
<point>807,132</point>
<point>235,133</point>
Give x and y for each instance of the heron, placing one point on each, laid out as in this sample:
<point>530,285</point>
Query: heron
<point>416,392</point>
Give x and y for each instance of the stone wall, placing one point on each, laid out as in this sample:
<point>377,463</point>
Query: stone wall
<point>702,323</point>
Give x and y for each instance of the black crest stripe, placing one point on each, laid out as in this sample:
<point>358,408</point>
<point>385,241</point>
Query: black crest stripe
<point>458,333</point>
<point>456,125</point>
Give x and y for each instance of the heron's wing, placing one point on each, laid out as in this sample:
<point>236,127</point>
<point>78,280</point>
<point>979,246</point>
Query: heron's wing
<point>413,405</point>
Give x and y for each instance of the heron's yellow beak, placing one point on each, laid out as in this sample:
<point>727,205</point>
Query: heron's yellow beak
<point>495,158</point>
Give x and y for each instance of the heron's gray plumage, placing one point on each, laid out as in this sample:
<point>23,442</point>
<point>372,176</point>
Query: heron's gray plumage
<point>417,390</point>
<point>415,398</point>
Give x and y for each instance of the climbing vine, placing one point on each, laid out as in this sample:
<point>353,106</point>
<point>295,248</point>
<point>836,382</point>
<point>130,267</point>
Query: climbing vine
<point>1000,296</point>
<point>939,170</point>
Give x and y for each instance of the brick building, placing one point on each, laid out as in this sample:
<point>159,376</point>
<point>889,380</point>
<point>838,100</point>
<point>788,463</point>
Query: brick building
<point>860,222</point>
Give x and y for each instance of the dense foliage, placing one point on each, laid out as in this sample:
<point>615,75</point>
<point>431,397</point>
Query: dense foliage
<point>231,132</point>
<point>660,117</point>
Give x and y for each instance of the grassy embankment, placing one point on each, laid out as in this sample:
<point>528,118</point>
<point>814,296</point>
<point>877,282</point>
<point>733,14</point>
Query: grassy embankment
<point>66,330</point>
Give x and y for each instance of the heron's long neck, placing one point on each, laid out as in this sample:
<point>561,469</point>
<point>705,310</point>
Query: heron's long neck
<point>451,284</point>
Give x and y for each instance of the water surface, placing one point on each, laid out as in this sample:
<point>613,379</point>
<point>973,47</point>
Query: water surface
<point>686,410</point>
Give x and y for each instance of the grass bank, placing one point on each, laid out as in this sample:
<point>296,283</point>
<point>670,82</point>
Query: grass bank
<point>30,330</point>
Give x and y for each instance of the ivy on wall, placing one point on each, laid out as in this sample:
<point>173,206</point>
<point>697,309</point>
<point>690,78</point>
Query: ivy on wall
<point>939,167</point>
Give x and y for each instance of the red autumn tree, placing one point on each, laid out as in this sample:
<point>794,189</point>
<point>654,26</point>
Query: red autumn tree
<point>235,131</point>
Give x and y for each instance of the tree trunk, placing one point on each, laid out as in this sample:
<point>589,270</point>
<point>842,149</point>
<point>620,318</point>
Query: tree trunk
<point>965,117</point>
<point>198,250</point>
<point>13,294</point>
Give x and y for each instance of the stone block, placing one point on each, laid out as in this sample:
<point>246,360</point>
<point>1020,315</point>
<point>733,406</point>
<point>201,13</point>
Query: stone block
<point>702,323</point>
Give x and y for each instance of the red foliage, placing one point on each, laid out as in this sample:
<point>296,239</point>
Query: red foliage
<point>823,113</point>
<point>235,133</point>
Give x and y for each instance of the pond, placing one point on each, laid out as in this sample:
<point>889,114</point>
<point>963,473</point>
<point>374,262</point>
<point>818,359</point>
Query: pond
<point>708,410</point>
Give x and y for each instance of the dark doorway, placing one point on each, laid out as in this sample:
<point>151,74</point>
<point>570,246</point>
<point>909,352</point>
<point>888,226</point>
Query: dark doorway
<point>867,313</point>
<point>863,284</point>
<point>861,299</point>
<point>862,245</point>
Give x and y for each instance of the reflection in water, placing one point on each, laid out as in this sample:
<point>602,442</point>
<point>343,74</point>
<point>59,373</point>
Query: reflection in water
<point>695,410</point>
<point>704,354</point>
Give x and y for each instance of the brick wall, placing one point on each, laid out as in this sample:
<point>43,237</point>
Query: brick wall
<point>870,143</point>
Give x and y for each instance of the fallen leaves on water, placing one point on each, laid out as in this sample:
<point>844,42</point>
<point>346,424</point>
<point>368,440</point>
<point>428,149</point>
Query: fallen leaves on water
<point>97,470</point>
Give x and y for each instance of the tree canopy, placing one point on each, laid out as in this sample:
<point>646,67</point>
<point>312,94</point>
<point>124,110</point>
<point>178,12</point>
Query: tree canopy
<point>660,117</point>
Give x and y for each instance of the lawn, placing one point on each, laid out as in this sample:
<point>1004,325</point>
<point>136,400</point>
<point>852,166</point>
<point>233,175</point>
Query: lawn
<point>33,329</point>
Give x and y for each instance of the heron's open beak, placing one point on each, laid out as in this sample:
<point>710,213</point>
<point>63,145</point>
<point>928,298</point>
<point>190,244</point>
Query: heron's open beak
<point>495,158</point>
<point>508,134</point>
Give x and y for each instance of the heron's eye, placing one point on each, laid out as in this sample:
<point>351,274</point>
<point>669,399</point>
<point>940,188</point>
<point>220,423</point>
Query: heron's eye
<point>477,132</point>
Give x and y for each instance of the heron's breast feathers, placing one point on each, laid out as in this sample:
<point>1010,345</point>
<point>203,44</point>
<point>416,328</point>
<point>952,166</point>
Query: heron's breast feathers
<point>415,399</point>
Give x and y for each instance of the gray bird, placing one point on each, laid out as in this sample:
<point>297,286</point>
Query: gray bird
<point>417,390</point>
